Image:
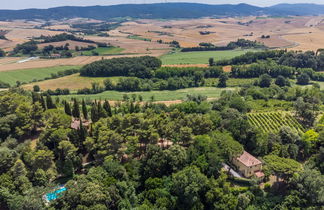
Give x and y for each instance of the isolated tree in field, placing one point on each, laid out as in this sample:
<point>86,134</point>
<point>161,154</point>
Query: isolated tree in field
<point>49,102</point>
<point>222,80</point>
<point>36,88</point>
<point>84,110</point>
<point>303,79</point>
<point>265,80</point>
<point>67,108</point>
<point>76,109</point>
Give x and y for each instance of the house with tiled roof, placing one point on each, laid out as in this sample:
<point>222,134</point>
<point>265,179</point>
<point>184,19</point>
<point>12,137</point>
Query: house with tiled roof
<point>248,165</point>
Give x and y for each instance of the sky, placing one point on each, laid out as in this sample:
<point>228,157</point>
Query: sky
<point>23,4</point>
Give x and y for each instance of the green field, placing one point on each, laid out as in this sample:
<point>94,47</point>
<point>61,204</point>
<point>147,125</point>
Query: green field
<point>105,51</point>
<point>199,57</point>
<point>210,92</point>
<point>138,38</point>
<point>28,75</point>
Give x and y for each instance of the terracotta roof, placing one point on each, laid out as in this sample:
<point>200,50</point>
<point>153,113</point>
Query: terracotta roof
<point>259,174</point>
<point>75,124</point>
<point>248,160</point>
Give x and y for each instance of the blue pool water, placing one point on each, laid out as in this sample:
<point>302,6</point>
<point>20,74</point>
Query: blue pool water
<point>54,195</point>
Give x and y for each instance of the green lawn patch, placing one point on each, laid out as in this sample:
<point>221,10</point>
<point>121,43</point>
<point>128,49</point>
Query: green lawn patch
<point>199,57</point>
<point>30,75</point>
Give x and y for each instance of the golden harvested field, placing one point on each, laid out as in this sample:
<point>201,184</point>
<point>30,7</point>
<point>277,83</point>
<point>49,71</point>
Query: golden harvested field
<point>42,63</point>
<point>296,33</point>
<point>73,82</point>
<point>284,32</point>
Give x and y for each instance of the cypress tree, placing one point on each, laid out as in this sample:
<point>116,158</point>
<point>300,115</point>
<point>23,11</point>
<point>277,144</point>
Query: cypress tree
<point>82,134</point>
<point>131,108</point>
<point>49,102</point>
<point>84,110</point>
<point>101,111</point>
<point>42,101</point>
<point>67,108</point>
<point>107,108</point>
<point>94,112</point>
<point>76,109</point>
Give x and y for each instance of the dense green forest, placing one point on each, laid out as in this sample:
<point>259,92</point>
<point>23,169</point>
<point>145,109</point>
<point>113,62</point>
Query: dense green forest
<point>151,156</point>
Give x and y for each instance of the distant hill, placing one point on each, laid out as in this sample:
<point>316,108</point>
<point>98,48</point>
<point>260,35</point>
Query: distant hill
<point>162,10</point>
<point>296,9</point>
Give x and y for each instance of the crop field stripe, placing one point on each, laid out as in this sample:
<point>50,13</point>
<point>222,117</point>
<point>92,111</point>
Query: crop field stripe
<point>273,121</point>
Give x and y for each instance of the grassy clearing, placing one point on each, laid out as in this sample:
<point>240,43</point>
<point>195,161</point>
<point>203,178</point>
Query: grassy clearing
<point>199,57</point>
<point>137,37</point>
<point>28,75</point>
<point>105,51</point>
<point>210,92</point>
<point>231,82</point>
<point>72,82</point>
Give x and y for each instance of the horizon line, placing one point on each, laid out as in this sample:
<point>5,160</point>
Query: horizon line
<point>101,5</point>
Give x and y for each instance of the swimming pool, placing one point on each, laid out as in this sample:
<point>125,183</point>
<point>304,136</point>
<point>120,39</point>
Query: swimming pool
<point>55,195</point>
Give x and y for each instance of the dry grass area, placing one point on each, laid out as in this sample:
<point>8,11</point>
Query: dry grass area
<point>43,63</point>
<point>284,32</point>
<point>132,46</point>
<point>73,82</point>
<point>296,33</point>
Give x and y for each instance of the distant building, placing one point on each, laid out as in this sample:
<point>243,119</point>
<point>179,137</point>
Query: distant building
<point>248,165</point>
<point>75,124</point>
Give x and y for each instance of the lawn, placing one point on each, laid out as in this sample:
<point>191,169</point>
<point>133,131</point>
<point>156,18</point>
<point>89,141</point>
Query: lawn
<point>28,75</point>
<point>199,57</point>
<point>166,95</point>
<point>105,51</point>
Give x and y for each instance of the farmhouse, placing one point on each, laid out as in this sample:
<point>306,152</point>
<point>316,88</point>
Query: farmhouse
<point>248,165</point>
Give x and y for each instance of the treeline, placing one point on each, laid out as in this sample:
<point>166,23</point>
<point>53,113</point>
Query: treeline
<point>63,37</point>
<point>138,66</point>
<point>240,43</point>
<point>165,78</point>
<point>252,57</point>
<point>274,70</point>
<point>307,59</point>
<point>138,84</point>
